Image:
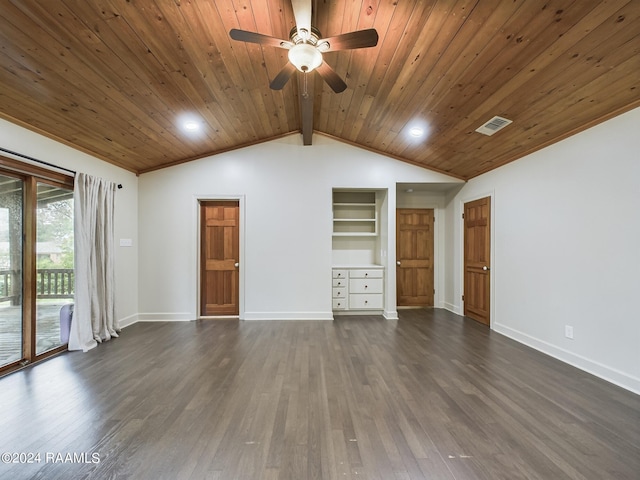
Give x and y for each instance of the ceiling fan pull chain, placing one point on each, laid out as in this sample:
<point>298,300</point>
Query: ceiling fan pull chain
<point>305,93</point>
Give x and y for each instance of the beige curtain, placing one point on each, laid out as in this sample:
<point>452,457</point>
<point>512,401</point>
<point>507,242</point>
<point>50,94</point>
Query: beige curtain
<point>94,319</point>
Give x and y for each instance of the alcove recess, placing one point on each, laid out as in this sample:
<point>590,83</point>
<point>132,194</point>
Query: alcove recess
<point>358,227</point>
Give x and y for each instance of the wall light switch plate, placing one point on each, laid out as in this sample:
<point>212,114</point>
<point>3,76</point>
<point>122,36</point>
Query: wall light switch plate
<point>126,242</point>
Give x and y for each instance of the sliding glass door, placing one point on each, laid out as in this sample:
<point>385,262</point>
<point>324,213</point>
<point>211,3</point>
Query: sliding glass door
<point>54,265</point>
<point>11,239</point>
<point>36,266</point>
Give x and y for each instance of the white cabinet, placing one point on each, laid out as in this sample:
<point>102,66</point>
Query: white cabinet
<point>358,288</point>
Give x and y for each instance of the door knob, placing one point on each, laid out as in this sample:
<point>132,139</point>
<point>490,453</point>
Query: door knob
<point>236,264</point>
<point>485,268</point>
<point>398,262</point>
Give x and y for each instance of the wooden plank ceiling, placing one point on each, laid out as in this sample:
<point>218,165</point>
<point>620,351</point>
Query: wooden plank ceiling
<point>113,77</point>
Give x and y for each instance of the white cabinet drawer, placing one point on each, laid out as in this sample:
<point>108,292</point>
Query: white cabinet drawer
<point>339,282</point>
<point>339,303</point>
<point>364,301</point>
<point>365,285</point>
<point>339,273</point>
<point>339,292</point>
<point>366,273</point>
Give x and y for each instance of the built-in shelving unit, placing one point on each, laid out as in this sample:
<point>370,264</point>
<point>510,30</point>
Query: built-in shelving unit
<point>358,239</point>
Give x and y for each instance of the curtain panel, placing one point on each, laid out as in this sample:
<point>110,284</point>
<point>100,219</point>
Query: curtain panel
<point>94,319</point>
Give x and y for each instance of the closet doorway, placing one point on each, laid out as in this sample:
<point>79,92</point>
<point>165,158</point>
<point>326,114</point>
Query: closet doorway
<point>219,258</point>
<point>414,257</point>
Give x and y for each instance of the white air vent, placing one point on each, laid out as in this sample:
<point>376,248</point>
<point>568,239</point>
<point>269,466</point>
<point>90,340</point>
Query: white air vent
<point>493,125</point>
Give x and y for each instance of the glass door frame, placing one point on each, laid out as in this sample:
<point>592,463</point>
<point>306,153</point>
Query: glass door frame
<point>31,175</point>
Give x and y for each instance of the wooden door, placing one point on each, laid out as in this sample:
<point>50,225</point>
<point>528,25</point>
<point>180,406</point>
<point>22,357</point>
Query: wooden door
<point>477,261</point>
<point>219,244</point>
<point>414,256</point>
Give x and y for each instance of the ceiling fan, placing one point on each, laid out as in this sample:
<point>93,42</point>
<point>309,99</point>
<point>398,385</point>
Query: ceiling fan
<point>306,47</point>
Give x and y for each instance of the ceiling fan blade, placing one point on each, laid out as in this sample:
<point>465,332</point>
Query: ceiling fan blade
<point>305,94</point>
<point>330,76</point>
<point>302,12</point>
<point>347,41</point>
<point>259,38</point>
<point>283,77</point>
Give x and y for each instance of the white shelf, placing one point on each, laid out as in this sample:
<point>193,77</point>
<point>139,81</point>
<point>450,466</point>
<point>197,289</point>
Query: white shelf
<point>354,204</point>
<point>353,220</point>
<point>354,234</point>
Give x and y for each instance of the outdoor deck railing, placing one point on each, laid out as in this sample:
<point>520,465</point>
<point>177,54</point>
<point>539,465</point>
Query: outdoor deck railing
<point>50,283</point>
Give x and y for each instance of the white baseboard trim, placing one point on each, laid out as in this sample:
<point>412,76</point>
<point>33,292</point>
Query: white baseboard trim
<point>166,317</point>
<point>453,308</point>
<point>347,313</point>
<point>604,372</point>
<point>390,314</point>
<point>288,316</point>
<point>128,321</point>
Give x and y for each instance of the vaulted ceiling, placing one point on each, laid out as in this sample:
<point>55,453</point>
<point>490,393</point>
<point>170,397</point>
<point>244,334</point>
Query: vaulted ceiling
<point>115,78</point>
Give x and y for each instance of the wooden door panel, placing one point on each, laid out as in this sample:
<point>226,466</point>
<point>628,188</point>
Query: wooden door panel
<point>477,243</point>
<point>414,251</point>
<point>213,265</point>
<point>221,296</point>
<point>416,287</point>
<point>220,255</point>
<point>476,289</point>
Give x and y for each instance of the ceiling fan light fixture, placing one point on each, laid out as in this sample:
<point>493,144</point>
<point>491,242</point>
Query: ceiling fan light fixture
<point>305,57</point>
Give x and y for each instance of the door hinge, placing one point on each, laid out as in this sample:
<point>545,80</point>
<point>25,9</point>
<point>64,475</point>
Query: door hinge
<point>463,298</point>
<point>463,215</point>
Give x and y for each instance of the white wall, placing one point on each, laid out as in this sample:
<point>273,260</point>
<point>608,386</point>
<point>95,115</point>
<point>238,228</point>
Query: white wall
<point>286,241</point>
<point>566,237</point>
<point>26,142</point>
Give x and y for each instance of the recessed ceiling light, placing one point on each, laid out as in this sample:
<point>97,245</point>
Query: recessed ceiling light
<point>191,126</point>
<point>416,132</point>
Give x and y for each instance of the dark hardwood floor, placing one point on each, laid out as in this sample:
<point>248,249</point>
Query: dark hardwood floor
<point>430,396</point>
